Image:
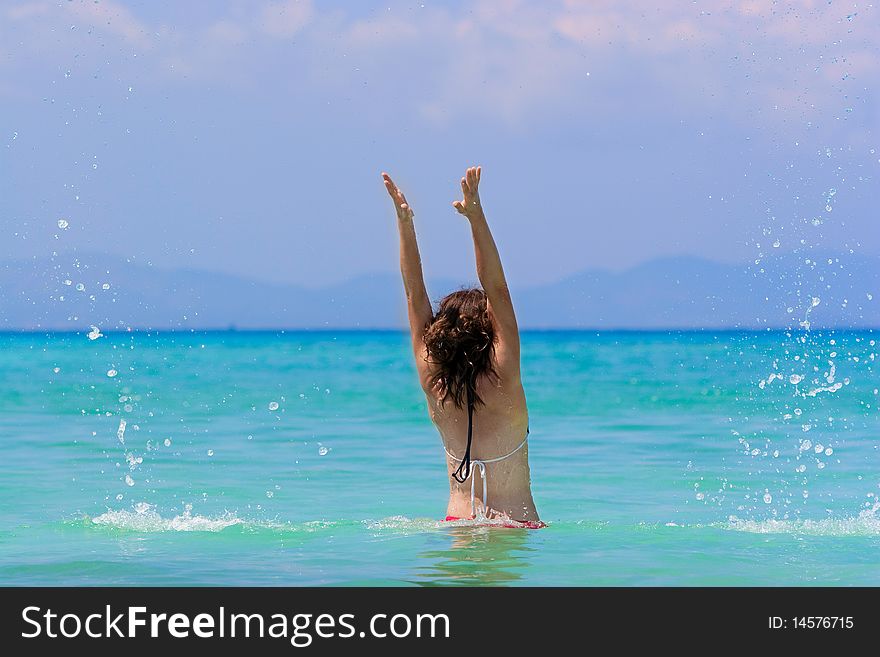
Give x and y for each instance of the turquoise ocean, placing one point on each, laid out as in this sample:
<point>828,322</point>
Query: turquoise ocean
<point>308,458</point>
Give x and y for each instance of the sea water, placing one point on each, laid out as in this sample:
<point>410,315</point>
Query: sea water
<point>307,458</point>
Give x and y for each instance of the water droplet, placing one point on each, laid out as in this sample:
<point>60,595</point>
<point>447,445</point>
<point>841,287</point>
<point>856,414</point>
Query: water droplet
<point>112,373</point>
<point>120,432</point>
<point>273,406</point>
<point>210,452</point>
<point>105,286</point>
<point>120,496</point>
<point>56,369</point>
<point>323,450</point>
<point>167,442</point>
<point>776,244</point>
<point>68,282</point>
<point>828,451</point>
<point>95,333</point>
<point>129,480</point>
<point>80,287</point>
<point>63,224</point>
<point>794,378</point>
<point>768,498</point>
<point>269,493</point>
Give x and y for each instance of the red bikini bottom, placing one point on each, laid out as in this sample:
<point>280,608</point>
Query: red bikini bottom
<point>510,524</point>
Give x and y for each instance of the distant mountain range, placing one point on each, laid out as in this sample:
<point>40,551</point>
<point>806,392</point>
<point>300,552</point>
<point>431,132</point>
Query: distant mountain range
<point>72,292</point>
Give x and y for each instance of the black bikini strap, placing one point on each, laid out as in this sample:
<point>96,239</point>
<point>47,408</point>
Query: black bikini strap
<point>466,461</point>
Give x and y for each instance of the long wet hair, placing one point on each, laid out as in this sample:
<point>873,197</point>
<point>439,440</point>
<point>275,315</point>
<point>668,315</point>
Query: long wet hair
<point>460,344</point>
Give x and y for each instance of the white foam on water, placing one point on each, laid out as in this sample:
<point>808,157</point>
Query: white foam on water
<point>404,525</point>
<point>408,525</point>
<point>867,523</point>
<point>145,518</point>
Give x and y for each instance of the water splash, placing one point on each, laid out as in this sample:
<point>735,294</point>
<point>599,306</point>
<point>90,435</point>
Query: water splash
<point>867,523</point>
<point>145,518</point>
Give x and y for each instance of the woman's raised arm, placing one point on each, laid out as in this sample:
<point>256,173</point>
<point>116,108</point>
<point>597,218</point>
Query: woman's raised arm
<point>491,275</point>
<point>418,303</point>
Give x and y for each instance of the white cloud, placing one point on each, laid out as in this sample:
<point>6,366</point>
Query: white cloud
<point>226,33</point>
<point>513,60</point>
<point>284,19</point>
<point>113,18</point>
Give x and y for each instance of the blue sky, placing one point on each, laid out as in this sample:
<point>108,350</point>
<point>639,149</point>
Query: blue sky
<point>248,137</point>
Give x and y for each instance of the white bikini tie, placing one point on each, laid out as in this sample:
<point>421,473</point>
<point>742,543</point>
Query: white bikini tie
<point>480,464</point>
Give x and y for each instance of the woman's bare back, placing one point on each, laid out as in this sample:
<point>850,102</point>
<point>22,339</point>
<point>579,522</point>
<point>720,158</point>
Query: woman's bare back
<point>499,428</point>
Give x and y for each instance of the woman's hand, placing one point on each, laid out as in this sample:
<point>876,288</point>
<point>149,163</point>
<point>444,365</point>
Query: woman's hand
<point>470,207</point>
<point>404,212</point>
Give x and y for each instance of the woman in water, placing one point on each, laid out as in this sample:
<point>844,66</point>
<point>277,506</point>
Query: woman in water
<point>467,356</point>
